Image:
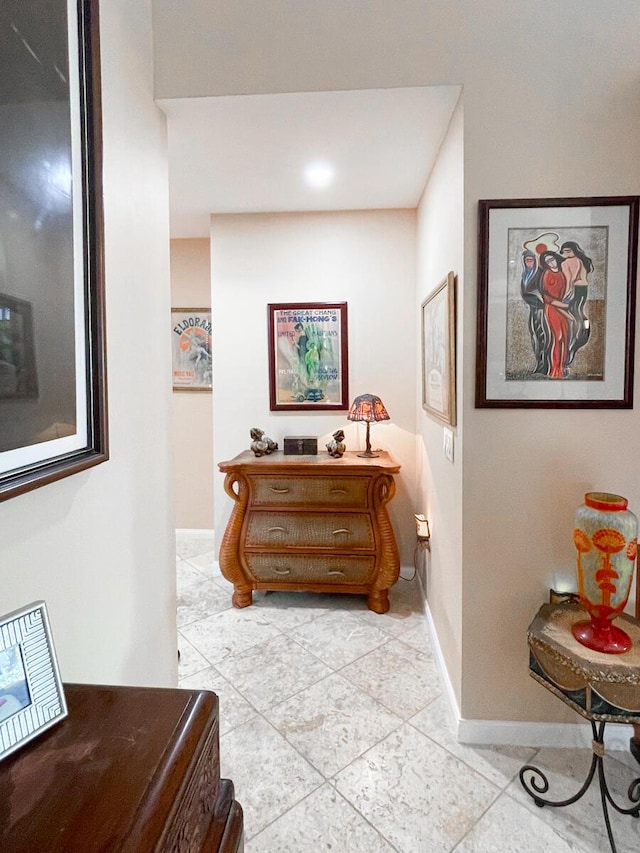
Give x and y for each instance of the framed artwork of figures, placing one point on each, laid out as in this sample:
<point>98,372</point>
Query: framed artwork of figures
<point>556,303</point>
<point>191,356</point>
<point>439,352</point>
<point>308,353</point>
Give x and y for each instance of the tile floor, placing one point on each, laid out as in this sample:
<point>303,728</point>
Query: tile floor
<point>334,730</point>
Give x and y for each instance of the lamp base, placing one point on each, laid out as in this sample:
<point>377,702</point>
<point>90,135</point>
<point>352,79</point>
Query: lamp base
<point>369,455</point>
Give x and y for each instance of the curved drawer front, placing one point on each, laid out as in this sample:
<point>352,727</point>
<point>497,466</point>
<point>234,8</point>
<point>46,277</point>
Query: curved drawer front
<point>305,491</point>
<point>310,530</point>
<point>290,568</point>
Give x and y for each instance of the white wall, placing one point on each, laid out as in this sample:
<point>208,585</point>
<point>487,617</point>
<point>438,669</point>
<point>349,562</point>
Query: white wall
<point>192,411</point>
<point>564,123</point>
<point>366,258</point>
<point>440,249</point>
<point>97,547</point>
<point>551,108</point>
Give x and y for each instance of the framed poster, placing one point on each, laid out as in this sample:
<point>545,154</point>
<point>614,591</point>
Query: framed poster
<point>439,352</point>
<point>53,405</point>
<point>191,357</point>
<point>31,694</point>
<point>308,367</point>
<point>556,303</point>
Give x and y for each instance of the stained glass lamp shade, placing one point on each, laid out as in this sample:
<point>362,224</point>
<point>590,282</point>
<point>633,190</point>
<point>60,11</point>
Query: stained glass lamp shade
<point>368,408</point>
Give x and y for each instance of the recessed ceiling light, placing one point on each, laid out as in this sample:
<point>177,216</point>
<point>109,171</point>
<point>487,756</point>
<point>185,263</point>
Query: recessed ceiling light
<point>319,175</point>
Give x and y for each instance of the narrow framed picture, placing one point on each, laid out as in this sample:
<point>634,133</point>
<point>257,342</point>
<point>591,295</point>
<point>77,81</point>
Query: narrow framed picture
<point>53,395</point>
<point>556,303</point>
<point>439,352</point>
<point>191,357</point>
<point>308,356</point>
<point>31,695</point>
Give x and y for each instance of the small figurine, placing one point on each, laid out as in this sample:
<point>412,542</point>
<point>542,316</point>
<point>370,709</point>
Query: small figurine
<point>261,443</point>
<point>336,447</point>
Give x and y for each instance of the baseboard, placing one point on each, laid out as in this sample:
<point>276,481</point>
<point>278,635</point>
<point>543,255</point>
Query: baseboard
<point>515,732</point>
<point>452,702</point>
<point>193,533</point>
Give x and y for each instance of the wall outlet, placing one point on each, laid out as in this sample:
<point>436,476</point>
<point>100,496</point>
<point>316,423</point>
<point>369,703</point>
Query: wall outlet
<point>422,526</point>
<point>423,532</point>
<point>447,444</point>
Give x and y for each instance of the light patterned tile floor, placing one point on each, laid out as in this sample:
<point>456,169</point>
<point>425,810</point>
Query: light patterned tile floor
<point>336,735</point>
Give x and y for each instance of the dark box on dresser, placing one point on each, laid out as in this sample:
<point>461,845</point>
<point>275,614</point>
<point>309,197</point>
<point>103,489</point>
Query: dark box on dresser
<point>300,445</point>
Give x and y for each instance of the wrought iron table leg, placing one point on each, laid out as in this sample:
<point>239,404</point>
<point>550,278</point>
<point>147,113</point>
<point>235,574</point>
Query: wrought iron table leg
<point>538,784</point>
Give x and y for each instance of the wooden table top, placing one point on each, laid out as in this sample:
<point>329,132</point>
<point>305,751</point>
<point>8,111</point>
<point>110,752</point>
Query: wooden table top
<point>277,460</point>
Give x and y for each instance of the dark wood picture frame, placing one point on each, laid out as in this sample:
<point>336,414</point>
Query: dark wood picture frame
<point>556,302</point>
<point>47,459</point>
<point>308,356</point>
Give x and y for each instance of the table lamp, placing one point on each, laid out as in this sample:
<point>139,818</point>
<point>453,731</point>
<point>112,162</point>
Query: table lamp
<point>368,407</point>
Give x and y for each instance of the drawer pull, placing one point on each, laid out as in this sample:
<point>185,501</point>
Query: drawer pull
<point>336,572</point>
<point>341,530</point>
<point>275,530</point>
<point>279,491</point>
<point>282,571</point>
<point>338,491</point>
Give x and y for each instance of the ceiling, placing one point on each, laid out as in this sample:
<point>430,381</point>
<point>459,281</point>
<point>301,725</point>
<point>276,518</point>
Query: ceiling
<point>247,154</point>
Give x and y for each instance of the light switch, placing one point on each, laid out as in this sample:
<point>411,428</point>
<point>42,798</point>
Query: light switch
<point>448,444</point>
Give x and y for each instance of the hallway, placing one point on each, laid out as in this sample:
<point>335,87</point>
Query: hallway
<point>334,729</point>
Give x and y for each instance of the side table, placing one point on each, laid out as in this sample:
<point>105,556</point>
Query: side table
<point>602,688</point>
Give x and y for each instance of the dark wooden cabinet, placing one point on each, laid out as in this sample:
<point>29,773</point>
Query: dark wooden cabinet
<point>130,770</point>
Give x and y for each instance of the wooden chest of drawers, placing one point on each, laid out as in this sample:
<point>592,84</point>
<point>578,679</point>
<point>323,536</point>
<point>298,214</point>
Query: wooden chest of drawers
<point>311,523</point>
